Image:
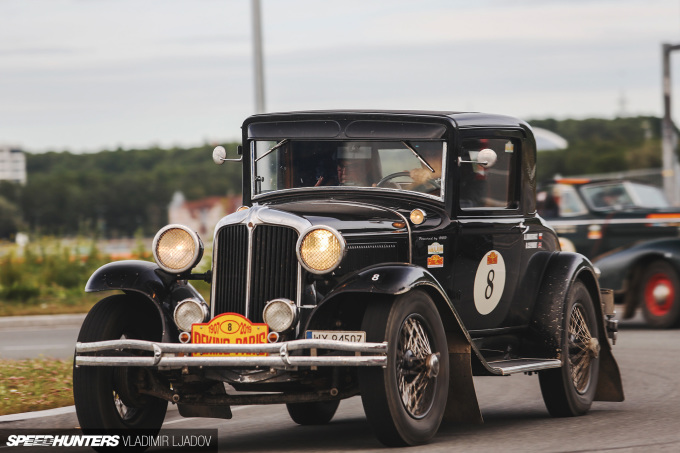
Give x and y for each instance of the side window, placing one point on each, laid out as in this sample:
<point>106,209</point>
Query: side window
<point>489,188</point>
<point>568,200</point>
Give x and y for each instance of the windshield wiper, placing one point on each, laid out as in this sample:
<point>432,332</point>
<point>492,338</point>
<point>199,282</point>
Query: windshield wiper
<point>278,145</point>
<point>420,158</point>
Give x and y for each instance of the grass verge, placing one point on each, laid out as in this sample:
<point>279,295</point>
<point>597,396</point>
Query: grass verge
<point>74,303</point>
<point>35,384</point>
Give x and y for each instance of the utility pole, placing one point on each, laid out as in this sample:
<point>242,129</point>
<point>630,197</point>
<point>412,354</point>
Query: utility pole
<point>257,56</point>
<point>668,133</point>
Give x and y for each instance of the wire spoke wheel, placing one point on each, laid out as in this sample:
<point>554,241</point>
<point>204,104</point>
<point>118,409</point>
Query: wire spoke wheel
<point>570,390</point>
<point>415,379</point>
<point>125,412</point>
<point>583,348</point>
<point>405,401</point>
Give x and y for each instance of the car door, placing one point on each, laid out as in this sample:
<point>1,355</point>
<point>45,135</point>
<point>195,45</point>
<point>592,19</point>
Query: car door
<point>493,242</point>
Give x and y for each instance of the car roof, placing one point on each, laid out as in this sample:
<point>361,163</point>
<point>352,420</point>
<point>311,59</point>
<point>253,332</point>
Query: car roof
<point>462,119</point>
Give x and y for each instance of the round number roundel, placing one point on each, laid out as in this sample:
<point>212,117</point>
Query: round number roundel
<point>489,282</point>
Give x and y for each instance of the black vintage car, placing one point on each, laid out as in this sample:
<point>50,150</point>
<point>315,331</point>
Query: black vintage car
<point>632,235</point>
<point>391,255</point>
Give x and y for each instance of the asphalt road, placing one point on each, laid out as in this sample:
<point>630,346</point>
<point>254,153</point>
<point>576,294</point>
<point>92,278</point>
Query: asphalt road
<point>515,417</point>
<point>27,337</point>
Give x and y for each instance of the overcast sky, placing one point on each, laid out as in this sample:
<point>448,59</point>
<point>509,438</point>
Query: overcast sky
<point>87,75</point>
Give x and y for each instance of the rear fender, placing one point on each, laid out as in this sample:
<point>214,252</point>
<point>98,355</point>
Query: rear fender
<point>387,281</point>
<point>146,279</point>
<point>545,328</point>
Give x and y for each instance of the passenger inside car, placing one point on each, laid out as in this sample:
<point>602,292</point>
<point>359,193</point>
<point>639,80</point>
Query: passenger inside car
<point>426,179</point>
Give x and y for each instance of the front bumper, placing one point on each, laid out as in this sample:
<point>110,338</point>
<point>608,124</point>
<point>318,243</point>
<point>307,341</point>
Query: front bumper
<point>275,355</point>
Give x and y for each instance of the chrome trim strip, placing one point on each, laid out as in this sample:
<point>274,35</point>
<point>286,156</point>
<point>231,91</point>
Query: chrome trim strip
<point>298,297</point>
<point>612,221</point>
<point>249,267</point>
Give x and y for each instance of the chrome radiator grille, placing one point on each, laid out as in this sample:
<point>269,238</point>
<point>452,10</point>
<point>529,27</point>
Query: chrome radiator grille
<point>273,269</point>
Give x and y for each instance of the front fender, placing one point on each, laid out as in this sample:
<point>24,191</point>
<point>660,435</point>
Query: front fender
<point>388,280</point>
<point>138,276</point>
<point>147,279</point>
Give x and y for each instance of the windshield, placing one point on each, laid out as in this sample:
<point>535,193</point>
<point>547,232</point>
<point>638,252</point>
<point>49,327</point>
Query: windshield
<point>623,195</point>
<point>414,166</point>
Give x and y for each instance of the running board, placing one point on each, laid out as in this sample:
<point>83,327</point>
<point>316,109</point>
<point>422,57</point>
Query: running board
<point>513,366</point>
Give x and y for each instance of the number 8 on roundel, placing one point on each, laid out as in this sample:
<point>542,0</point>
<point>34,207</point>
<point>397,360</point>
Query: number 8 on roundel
<point>489,282</point>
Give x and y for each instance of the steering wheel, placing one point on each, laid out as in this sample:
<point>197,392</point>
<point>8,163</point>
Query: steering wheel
<point>383,182</point>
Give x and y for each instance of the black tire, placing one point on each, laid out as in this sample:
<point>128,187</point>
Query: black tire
<point>318,413</point>
<point>569,390</point>
<point>396,419</point>
<point>104,398</point>
<point>659,295</point>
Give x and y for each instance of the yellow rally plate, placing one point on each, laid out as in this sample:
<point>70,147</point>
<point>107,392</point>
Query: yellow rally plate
<point>229,328</point>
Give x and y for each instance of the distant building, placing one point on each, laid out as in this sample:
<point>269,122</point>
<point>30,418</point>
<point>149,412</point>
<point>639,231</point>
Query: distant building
<point>12,164</point>
<point>201,215</point>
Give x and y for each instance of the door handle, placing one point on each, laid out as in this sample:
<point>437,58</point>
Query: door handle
<point>522,226</point>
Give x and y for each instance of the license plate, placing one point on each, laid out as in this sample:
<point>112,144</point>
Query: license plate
<point>336,335</point>
<point>229,328</point>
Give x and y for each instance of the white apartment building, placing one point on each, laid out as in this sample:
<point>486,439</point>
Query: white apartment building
<point>12,164</point>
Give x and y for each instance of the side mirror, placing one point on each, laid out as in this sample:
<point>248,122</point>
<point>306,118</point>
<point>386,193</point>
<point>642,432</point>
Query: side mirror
<point>486,158</point>
<point>219,156</point>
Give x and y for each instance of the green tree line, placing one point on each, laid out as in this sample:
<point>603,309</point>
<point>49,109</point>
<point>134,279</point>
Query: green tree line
<point>116,193</point>
<point>123,192</point>
<point>601,146</point>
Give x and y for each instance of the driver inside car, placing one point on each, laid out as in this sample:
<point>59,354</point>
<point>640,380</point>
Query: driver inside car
<point>352,166</point>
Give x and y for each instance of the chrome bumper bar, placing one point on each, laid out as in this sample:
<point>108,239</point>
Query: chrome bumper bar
<point>166,354</point>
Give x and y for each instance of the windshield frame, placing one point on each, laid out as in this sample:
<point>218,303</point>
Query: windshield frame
<point>324,191</point>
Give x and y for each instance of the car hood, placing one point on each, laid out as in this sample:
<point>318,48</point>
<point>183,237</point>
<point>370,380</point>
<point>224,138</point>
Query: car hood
<point>347,217</point>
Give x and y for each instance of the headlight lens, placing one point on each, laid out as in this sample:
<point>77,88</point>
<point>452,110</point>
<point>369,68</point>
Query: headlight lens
<point>280,314</point>
<point>177,249</point>
<point>188,312</point>
<point>321,249</point>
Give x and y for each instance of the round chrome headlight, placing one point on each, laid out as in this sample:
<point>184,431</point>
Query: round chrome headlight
<point>177,249</point>
<point>320,249</point>
<point>189,312</point>
<point>280,314</point>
